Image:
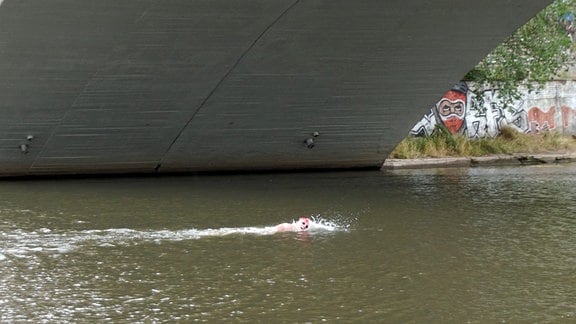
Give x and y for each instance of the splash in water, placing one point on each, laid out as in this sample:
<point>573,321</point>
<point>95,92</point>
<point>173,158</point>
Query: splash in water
<point>19,242</point>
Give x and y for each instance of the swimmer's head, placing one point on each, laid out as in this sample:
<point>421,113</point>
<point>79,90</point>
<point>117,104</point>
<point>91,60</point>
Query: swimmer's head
<point>303,223</point>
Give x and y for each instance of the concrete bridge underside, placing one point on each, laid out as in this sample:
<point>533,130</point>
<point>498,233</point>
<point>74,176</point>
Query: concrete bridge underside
<point>145,86</point>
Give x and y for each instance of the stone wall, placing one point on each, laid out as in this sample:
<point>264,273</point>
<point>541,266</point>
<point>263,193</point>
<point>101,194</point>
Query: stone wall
<point>549,109</point>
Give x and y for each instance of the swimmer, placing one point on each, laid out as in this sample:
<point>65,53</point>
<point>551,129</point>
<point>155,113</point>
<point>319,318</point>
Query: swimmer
<point>303,224</point>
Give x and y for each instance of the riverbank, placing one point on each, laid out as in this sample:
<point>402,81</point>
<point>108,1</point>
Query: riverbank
<point>510,147</point>
<point>480,161</point>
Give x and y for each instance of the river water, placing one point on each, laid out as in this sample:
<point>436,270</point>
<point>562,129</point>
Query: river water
<point>438,245</point>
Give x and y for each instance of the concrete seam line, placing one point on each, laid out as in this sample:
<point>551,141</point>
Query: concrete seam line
<point>224,77</point>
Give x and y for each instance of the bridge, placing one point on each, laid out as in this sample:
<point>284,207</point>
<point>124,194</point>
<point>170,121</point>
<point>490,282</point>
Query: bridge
<point>163,86</point>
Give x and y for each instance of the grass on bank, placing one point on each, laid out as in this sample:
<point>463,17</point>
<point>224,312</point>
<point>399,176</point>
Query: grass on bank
<point>443,144</point>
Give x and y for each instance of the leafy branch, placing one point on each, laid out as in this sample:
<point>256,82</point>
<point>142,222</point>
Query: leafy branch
<point>534,54</point>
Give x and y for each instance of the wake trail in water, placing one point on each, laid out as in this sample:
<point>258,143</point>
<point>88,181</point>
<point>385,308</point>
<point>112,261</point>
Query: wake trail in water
<point>21,243</point>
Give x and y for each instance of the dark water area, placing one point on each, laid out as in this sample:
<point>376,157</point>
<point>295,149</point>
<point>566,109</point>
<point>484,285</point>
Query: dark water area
<point>438,245</point>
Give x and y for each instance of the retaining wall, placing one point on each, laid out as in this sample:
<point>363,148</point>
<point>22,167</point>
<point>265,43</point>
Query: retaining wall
<point>551,108</point>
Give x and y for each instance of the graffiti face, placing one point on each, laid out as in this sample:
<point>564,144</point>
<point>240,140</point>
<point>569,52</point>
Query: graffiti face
<point>451,109</point>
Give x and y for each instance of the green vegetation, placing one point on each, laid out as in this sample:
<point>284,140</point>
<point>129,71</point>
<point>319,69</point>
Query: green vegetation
<point>444,144</point>
<point>534,54</point>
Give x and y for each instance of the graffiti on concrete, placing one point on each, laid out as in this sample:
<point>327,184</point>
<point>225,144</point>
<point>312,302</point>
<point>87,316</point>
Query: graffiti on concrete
<point>567,115</point>
<point>541,121</point>
<point>450,111</point>
<point>552,108</point>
